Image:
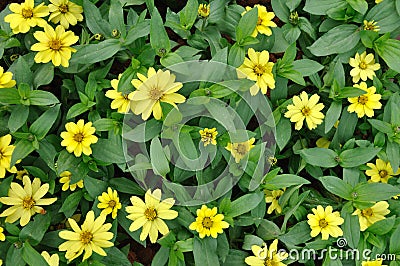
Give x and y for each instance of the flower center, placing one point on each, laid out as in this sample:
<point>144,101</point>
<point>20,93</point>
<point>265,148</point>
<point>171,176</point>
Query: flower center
<point>86,237</point>
<point>241,149</point>
<point>363,99</point>
<point>259,69</point>
<point>306,111</point>
<point>362,65</point>
<point>28,203</point>
<point>323,223</point>
<point>1,155</point>
<point>383,173</point>
<point>150,214</point>
<point>207,222</point>
<point>55,44</point>
<point>268,262</point>
<point>27,13</point>
<point>112,203</point>
<point>78,137</point>
<point>63,8</point>
<point>367,212</point>
<point>156,94</point>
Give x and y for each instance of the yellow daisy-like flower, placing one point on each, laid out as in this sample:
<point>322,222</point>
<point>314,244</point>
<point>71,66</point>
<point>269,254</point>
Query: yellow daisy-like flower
<point>209,222</point>
<point>157,87</point>
<point>264,21</point>
<point>120,101</point>
<point>264,256</point>
<point>366,103</point>
<point>6,80</point>
<point>79,137</point>
<point>371,215</point>
<point>109,202</point>
<point>26,15</point>
<point>240,149</point>
<point>26,200</point>
<point>208,136</point>
<point>54,45</point>
<point>304,108</point>
<point>2,236</point>
<point>273,198</point>
<point>6,151</point>
<point>381,171</point>
<point>92,236</point>
<point>150,214</point>
<point>364,67</point>
<point>66,179</point>
<point>377,262</point>
<point>257,68</point>
<point>371,25</point>
<point>325,221</point>
<point>204,10</point>
<point>65,12</point>
<point>52,260</point>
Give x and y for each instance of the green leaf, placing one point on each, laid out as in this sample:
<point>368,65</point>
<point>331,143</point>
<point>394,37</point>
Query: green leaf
<point>347,92</point>
<point>307,27</point>
<point>43,124</point>
<point>358,156</point>
<point>38,97</point>
<point>320,157</point>
<point>382,227</point>
<point>291,32</point>
<point>360,6</point>
<point>394,246</point>
<point>332,115</point>
<point>337,186</point>
<point>188,14</point>
<point>43,75</point>
<point>158,36</point>
<point>143,132</point>
<point>389,50</point>
<point>93,53</point>
<point>22,149</point>
<point>392,150</point>
<point>124,83</point>
<point>381,126</point>
<point>320,7</point>
<point>236,55</point>
<point>205,251</point>
<point>71,203</point>
<point>281,10</point>
<point>94,186</point>
<point>125,185</point>
<point>161,257</point>
<point>246,25</point>
<point>158,159</point>
<point>35,230</point>
<point>31,256</point>
<point>18,117</point>
<point>77,109</point>
<point>139,30</point>
<point>307,67</point>
<point>9,96</point>
<point>338,40</point>
<point>372,192</point>
<point>283,181</point>
<point>385,16</point>
<point>283,133</point>
<point>298,234</point>
<point>291,74</point>
<point>109,150</point>
<point>268,230</point>
<point>104,124</point>
<point>94,20</point>
<point>368,37</point>
<point>116,17</point>
<point>116,257</point>
<point>351,229</point>
<point>22,71</point>
<point>245,204</point>
<point>171,59</point>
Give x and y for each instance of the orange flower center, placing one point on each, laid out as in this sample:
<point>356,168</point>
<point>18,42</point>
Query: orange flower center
<point>268,262</point>
<point>78,137</point>
<point>156,94</point>
<point>323,223</point>
<point>362,65</point>
<point>86,237</point>
<point>363,99</point>
<point>241,149</point>
<point>207,222</point>
<point>383,173</point>
<point>259,70</point>
<point>112,203</point>
<point>306,111</point>
<point>27,13</point>
<point>63,8</point>
<point>259,21</point>
<point>55,44</point>
<point>28,203</point>
<point>367,212</point>
<point>150,214</point>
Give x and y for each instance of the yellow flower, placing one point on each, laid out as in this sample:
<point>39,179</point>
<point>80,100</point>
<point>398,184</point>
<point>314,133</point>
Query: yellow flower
<point>120,101</point>
<point>323,143</point>
<point>6,151</point>
<point>109,202</point>
<point>66,179</point>
<point>157,87</point>
<point>92,236</point>
<point>65,12</point>
<point>240,149</point>
<point>19,174</point>
<point>2,236</point>
<point>273,198</point>
<point>208,222</point>
<point>1,262</point>
<point>272,160</point>
<point>264,21</point>
<point>257,68</point>
<point>6,80</point>
<point>325,221</point>
<point>371,25</point>
<point>54,260</point>
<point>78,137</point>
<point>25,200</point>
<point>371,215</point>
<point>54,45</point>
<point>204,10</point>
<point>378,1</point>
<point>208,136</point>
<point>304,108</point>
<point>381,171</point>
<point>364,104</point>
<point>377,262</point>
<point>26,15</point>
<point>150,214</point>
<point>264,256</point>
<point>364,67</point>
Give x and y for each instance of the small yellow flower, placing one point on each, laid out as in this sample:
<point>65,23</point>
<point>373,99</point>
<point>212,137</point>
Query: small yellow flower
<point>304,108</point>
<point>366,103</point>
<point>272,160</point>
<point>209,222</point>
<point>371,215</point>
<point>257,68</point>
<point>381,171</point>
<point>1,262</point>
<point>208,136</point>
<point>120,101</point>
<point>264,256</point>
<point>157,87</point>
<point>204,10</point>
<point>264,21</point>
<point>364,67</point>
<point>377,262</point>
<point>20,174</point>
<point>371,25</point>
<point>25,200</point>
<point>2,236</point>
<point>26,15</point>
<point>150,214</point>
<point>378,1</point>
<point>325,221</point>
<point>6,80</point>
<point>240,149</point>
<point>78,137</point>
<point>66,179</point>
<point>54,45</point>
<point>65,12</point>
<point>92,236</point>
<point>273,198</point>
<point>109,202</point>
<point>54,260</point>
<point>6,151</point>
<point>322,143</point>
